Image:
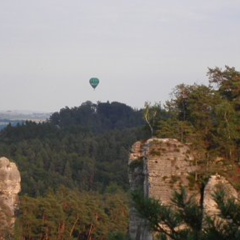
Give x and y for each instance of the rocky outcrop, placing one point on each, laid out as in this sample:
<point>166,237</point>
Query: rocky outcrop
<point>159,167</point>
<point>9,188</point>
<point>210,208</point>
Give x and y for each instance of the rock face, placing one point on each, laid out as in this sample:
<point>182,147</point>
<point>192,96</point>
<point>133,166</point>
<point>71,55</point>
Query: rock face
<point>159,167</point>
<point>9,188</point>
<point>215,183</point>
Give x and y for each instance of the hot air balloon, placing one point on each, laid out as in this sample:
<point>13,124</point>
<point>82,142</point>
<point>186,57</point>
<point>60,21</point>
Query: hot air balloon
<point>94,82</point>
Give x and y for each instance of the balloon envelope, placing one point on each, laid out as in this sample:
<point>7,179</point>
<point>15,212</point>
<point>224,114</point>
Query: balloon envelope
<point>94,82</point>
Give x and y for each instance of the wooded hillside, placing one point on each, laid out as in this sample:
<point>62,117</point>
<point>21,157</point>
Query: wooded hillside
<point>84,148</point>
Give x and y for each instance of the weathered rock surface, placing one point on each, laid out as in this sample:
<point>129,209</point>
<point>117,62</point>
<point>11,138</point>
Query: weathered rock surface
<point>215,183</point>
<point>9,188</point>
<point>159,167</point>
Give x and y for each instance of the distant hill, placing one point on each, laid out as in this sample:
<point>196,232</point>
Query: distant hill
<point>98,118</point>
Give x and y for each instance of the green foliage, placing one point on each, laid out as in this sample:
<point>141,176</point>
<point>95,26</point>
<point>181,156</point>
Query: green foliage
<point>183,220</point>
<point>226,225</point>
<point>170,221</point>
<point>227,83</point>
<point>98,118</point>
<point>73,215</point>
<point>85,148</point>
<point>208,118</point>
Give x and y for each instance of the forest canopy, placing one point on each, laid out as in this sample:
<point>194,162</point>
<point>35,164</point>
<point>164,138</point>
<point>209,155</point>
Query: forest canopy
<point>83,147</point>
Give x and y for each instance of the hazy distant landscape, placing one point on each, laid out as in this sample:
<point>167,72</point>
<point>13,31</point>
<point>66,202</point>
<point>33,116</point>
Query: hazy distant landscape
<point>17,116</point>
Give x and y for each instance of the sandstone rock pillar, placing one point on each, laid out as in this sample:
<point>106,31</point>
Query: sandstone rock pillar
<point>9,188</point>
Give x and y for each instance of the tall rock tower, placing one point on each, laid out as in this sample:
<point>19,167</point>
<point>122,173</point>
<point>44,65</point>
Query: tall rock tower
<point>9,188</point>
<point>158,167</point>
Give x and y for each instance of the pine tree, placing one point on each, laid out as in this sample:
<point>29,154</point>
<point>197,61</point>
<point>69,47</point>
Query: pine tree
<point>183,220</point>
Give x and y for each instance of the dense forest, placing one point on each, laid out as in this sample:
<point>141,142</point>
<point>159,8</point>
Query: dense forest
<point>82,152</point>
<point>74,165</point>
<point>84,148</point>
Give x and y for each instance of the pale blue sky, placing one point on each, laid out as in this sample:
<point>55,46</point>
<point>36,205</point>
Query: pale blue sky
<point>139,49</point>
